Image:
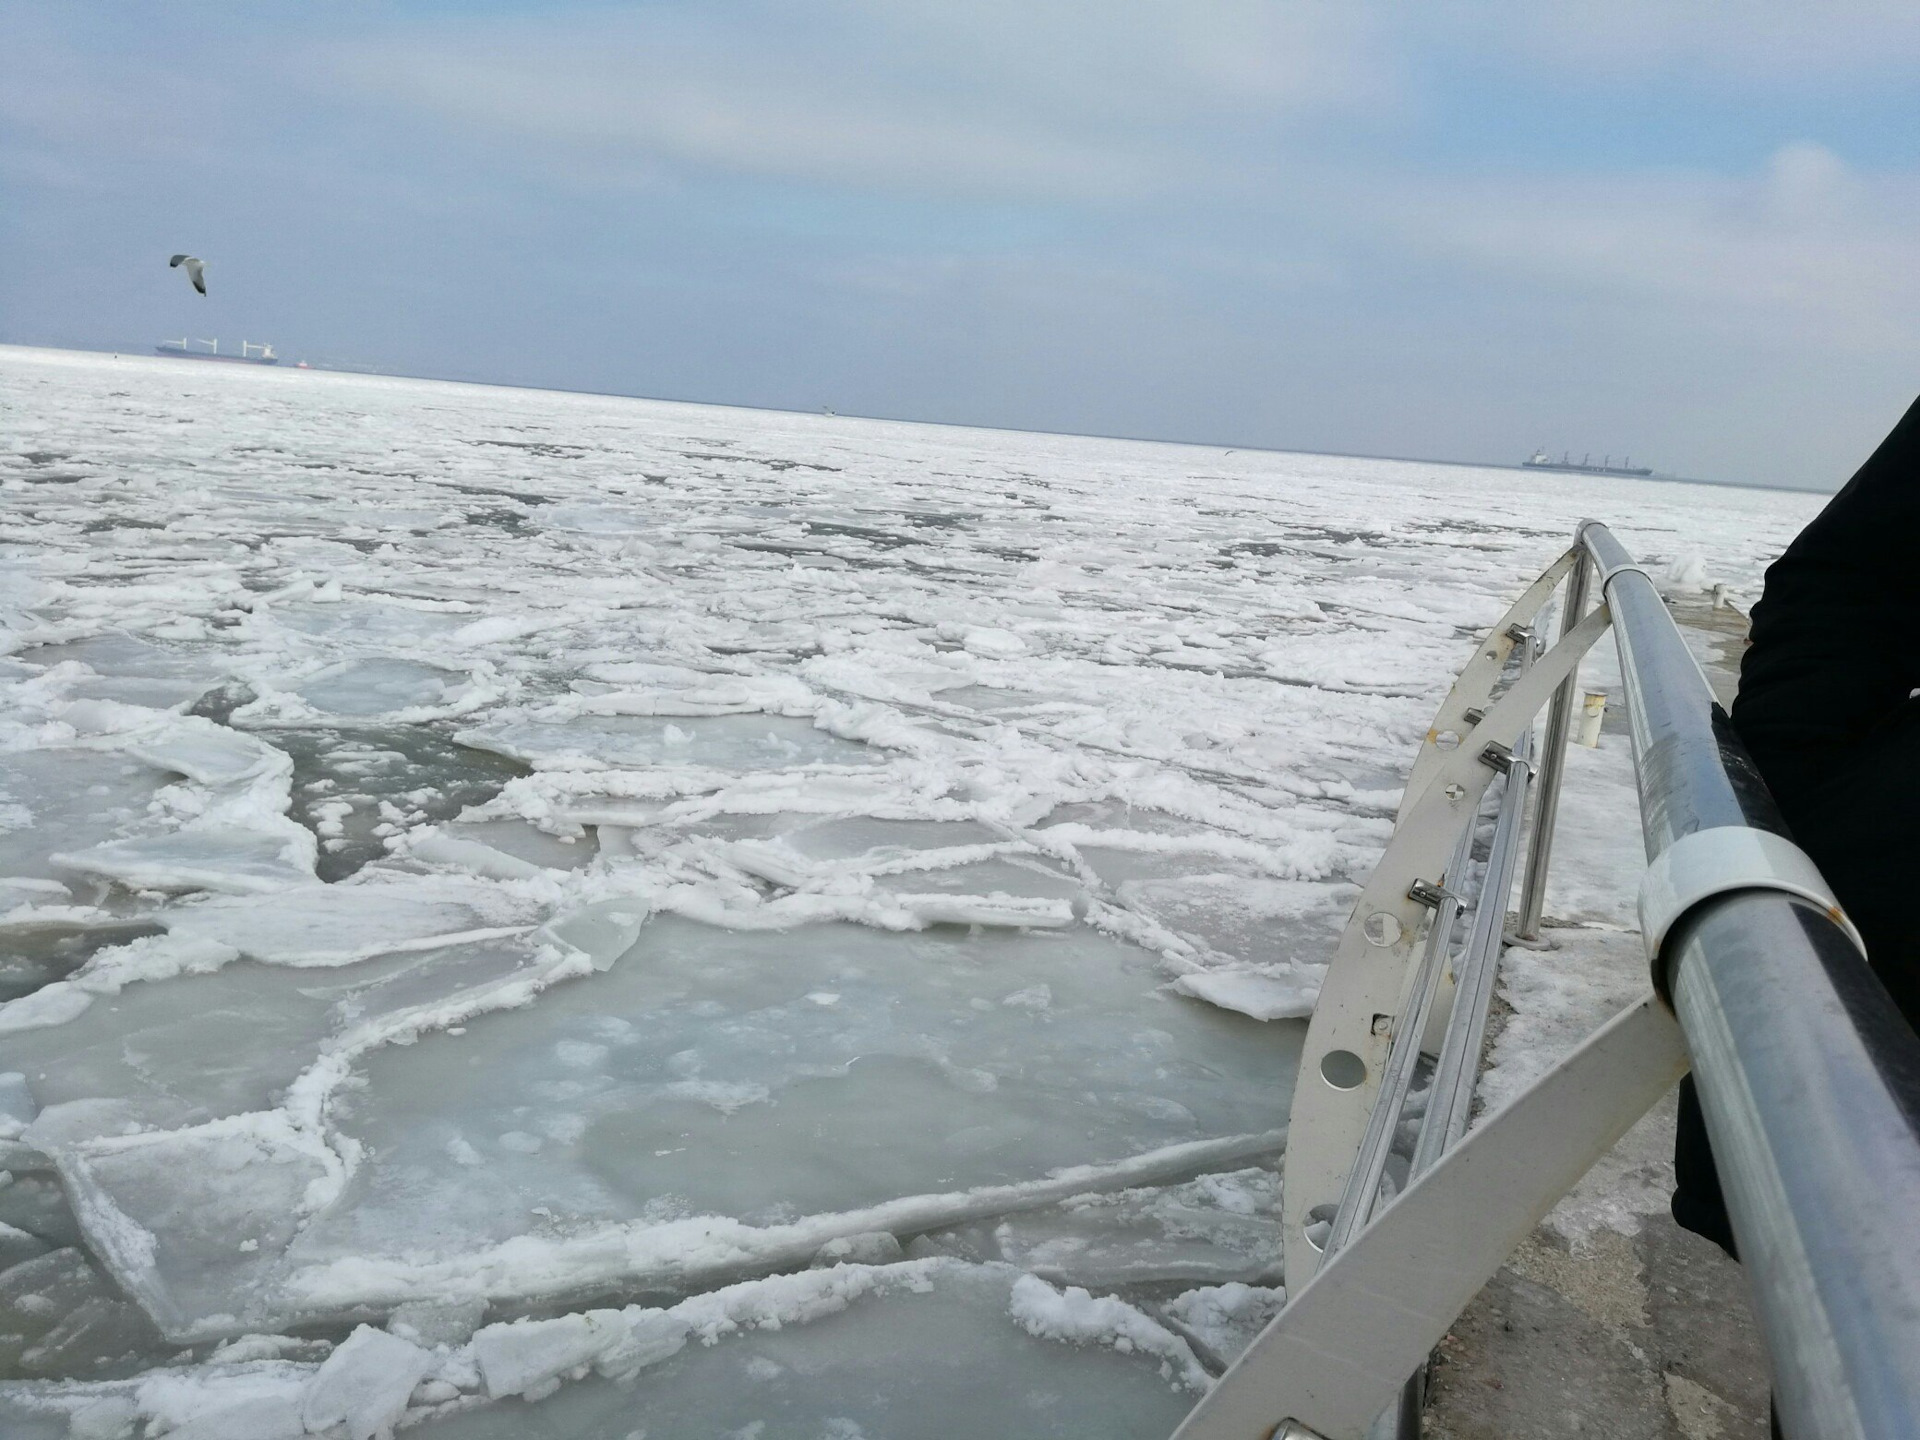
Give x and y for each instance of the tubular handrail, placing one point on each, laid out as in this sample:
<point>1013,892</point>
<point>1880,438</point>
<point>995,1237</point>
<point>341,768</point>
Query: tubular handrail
<point>1808,1075</point>
<point>1809,1078</point>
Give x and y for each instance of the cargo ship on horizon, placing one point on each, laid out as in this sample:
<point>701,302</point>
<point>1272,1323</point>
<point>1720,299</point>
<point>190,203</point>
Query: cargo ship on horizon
<point>1540,460</point>
<point>250,353</point>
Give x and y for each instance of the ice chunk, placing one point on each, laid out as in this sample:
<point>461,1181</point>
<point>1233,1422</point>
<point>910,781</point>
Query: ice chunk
<point>437,1322</point>
<point>1226,1319</point>
<point>16,1104</point>
<point>385,687</point>
<point>264,1405</point>
<point>110,1417</point>
<point>1275,993</point>
<point>874,839</point>
<point>364,1384</point>
<point>854,1351</point>
<point>369,619</point>
<point>994,644</point>
<point>99,1336</point>
<point>211,754</point>
<point>436,847</point>
<point>1079,1318</point>
<point>17,1246</point>
<point>1251,918</point>
<point>67,800</point>
<point>132,671</point>
<point>1220,1227</point>
<point>337,924</point>
<point>875,1247</point>
<point>36,1295</point>
<point>222,858</point>
<point>524,842</point>
<point>723,742</point>
<point>517,1357</point>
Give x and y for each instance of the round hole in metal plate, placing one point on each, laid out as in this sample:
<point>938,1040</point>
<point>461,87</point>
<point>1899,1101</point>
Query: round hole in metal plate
<point>1381,928</point>
<point>1317,1217</point>
<point>1446,740</point>
<point>1342,1069</point>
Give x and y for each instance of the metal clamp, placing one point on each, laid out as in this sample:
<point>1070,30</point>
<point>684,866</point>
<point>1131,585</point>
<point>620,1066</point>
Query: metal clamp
<point>1628,567</point>
<point>1713,862</point>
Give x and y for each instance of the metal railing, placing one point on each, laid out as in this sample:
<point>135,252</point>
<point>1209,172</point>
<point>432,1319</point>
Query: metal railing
<point>1809,1078</point>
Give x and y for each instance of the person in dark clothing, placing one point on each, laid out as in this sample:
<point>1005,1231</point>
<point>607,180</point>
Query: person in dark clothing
<point>1827,709</point>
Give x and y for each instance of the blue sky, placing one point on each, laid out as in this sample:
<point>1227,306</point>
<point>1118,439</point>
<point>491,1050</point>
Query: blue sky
<point>1676,228</point>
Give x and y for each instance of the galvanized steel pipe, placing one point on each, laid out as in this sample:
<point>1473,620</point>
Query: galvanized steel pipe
<point>1809,1078</point>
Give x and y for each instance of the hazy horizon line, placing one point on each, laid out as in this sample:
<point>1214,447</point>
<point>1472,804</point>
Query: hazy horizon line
<point>468,379</point>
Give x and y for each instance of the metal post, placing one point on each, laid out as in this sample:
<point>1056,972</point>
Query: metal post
<point>1553,757</point>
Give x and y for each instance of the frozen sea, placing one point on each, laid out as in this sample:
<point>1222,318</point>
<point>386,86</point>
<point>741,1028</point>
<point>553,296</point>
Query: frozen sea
<point>530,914</point>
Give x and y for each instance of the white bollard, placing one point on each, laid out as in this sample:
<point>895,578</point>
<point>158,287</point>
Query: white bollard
<point>1720,601</point>
<point>1592,712</point>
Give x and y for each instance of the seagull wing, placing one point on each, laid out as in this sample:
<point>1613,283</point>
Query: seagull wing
<point>197,273</point>
<point>174,263</point>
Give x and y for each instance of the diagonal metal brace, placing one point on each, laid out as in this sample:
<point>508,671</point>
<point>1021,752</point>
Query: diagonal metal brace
<point>1337,1356</point>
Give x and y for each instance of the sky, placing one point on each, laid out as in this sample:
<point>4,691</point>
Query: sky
<point>1682,230</point>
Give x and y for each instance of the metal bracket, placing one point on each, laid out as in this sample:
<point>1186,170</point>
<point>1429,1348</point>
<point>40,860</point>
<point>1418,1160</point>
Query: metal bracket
<point>1338,1354</point>
<point>1464,707</point>
<point>1428,894</point>
<point>1630,567</point>
<point>1380,946</point>
<point>1498,756</point>
<point>1697,867</point>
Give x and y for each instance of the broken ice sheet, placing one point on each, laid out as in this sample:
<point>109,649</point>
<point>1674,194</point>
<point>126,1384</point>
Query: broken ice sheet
<point>366,620</point>
<point>193,1217</point>
<point>1218,1228</point>
<point>384,688</point>
<point>335,924</point>
<point>721,742</point>
<point>894,1350</point>
<point>133,671</point>
<point>901,1351</point>
<point>210,856</point>
<point>1223,1320</point>
<point>194,1047</point>
<point>1252,918</point>
<point>759,1077</point>
<point>68,800</point>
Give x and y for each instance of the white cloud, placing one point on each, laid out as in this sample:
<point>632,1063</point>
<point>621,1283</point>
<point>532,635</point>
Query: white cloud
<point>1596,41</point>
<point>996,98</point>
<point>1807,248</point>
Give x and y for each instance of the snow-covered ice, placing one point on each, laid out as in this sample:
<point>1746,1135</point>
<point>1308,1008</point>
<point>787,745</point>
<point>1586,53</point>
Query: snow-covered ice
<point>526,913</point>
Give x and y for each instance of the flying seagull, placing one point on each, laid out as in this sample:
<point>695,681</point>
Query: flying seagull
<point>196,270</point>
